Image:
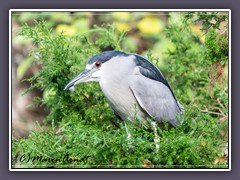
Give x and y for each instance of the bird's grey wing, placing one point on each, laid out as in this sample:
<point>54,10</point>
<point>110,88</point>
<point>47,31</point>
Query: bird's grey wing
<point>147,69</point>
<point>150,71</point>
<point>155,98</point>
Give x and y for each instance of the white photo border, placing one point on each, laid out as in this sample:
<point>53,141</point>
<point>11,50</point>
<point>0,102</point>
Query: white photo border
<point>117,10</point>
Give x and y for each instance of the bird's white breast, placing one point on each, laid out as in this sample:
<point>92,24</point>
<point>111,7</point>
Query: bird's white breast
<point>115,84</point>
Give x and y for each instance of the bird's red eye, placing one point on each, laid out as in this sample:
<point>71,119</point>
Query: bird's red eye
<point>98,64</point>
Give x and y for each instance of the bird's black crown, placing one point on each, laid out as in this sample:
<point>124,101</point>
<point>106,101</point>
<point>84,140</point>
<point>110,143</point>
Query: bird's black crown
<point>105,56</point>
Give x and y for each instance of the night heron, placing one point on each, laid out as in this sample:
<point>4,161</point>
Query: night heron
<point>133,86</point>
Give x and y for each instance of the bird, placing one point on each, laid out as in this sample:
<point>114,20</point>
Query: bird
<point>133,86</point>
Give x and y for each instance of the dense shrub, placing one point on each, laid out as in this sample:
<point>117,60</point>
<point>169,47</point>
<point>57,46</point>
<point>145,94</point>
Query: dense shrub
<point>81,131</point>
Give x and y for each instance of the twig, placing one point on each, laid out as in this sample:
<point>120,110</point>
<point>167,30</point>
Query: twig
<point>211,112</point>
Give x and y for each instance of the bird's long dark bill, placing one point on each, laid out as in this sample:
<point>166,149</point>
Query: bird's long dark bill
<point>82,77</point>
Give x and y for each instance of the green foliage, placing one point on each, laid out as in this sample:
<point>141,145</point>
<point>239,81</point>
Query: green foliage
<point>191,145</point>
<point>191,63</point>
<point>209,19</point>
<point>62,58</point>
<point>79,131</point>
<point>219,52</point>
